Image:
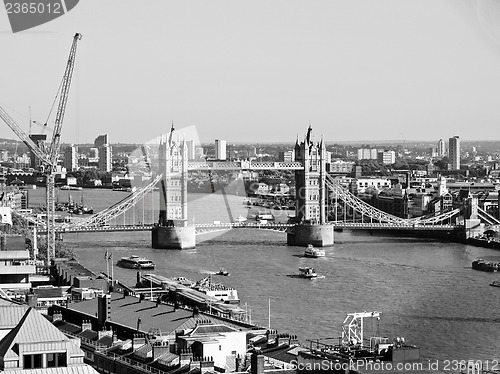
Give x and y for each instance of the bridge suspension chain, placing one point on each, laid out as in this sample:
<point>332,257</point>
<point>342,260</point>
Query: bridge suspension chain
<point>369,211</point>
<point>118,208</point>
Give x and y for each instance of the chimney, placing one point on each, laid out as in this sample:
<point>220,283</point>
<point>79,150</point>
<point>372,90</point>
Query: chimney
<point>138,341</point>
<point>257,363</point>
<point>32,300</point>
<point>207,365</point>
<point>102,310</point>
<point>196,311</point>
<point>293,340</point>
<point>57,316</point>
<point>160,348</point>
<point>185,357</point>
<point>271,337</point>
<point>103,333</point>
<point>283,339</point>
<point>86,325</point>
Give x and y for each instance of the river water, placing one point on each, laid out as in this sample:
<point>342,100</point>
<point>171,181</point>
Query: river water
<point>425,289</point>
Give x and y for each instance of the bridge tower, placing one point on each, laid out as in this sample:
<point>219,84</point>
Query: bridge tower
<point>172,231</point>
<point>310,192</point>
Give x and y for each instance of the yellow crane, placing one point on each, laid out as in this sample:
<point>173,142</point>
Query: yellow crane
<point>48,155</point>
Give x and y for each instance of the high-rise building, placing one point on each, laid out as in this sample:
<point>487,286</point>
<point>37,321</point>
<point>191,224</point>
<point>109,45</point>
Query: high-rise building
<point>198,153</point>
<point>38,139</point>
<point>286,156</point>
<point>101,140</point>
<point>386,157</point>
<point>4,155</point>
<point>220,149</point>
<point>367,154</point>
<point>454,150</point>
<point>441,148</point>
<point>70,158</point>
<point>190,149</point>
<point>105,163</point>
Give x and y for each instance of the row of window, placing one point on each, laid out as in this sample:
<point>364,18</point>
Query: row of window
<point>45,360</point>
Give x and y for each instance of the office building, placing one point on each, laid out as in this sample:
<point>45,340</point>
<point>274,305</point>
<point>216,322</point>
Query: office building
<point>70,158</point>
<point>191,150</point>
<point>220,149</point>
<point>286,156</point>
<point>105,158</point>
<point>386,157</point>
<point>454,153</point>
<point>101,140</point>
<point>38,139</point>
<point>441,148</point>
<point>367,154</point>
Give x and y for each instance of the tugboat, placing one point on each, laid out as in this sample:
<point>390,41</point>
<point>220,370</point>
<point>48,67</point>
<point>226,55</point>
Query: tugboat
<point>222,272</point>
<point>314,252</point>
<point>136,262</point>
<point>308,273</point>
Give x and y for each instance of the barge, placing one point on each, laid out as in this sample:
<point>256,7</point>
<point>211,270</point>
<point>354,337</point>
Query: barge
<point>354,347</point>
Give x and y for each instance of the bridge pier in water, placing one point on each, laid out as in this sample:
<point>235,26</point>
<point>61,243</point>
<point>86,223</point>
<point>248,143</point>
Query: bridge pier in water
<point>317,235</point>
<point>310,193</point>
<point>174,237</point>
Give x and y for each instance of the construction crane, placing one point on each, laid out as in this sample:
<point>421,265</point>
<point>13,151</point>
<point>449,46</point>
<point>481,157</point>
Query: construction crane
<point>48,156</point>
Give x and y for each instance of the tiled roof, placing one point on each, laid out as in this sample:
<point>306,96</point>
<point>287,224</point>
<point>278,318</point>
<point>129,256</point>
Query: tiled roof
<point>285,353</point>
<point>166,358</point>
<point>127,310</point>
<point>89,334</point>
<point>80,369</point>
<point>67,327</point>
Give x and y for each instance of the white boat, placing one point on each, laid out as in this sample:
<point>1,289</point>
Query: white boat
<point>314,252</point>
<point>307,272</point>
<point>217,290</point>
<point>136,262</point>
<point>240,219</point>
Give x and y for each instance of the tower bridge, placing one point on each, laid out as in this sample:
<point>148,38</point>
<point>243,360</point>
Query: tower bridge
<point>322,204</point>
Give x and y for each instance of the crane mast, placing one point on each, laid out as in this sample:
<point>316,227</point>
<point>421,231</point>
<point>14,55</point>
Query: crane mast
<point>53,151</point>
<point>48,156</point>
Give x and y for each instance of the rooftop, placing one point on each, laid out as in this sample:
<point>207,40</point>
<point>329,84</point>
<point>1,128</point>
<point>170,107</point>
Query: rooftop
<point>127,311</point>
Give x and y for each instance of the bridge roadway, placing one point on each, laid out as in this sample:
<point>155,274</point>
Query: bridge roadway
<point>275,226</point>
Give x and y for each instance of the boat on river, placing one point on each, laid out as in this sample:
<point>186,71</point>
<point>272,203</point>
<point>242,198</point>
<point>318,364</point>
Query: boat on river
<point>482,265</point>
<point>136,262</point>
<point>222,272</point>
<point>495,284</point>
<point>314,252</point>
<point>307,272</point>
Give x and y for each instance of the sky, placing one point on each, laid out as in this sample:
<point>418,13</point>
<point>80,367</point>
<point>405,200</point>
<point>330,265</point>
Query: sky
<point>261,71</point>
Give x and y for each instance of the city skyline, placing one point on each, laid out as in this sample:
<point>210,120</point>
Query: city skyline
<point>261,73</point>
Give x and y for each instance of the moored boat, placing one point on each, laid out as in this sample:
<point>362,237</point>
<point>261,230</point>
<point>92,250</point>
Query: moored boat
<point>482,265</point>
<point>136,262</point>
<point>314,252</point>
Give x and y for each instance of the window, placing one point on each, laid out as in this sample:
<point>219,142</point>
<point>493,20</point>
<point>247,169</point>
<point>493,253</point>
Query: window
<point>32,361</point>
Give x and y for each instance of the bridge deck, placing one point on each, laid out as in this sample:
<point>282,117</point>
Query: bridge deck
<point>283,227</point>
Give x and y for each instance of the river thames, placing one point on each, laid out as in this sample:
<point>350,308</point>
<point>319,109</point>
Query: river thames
<point>424,289</point>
